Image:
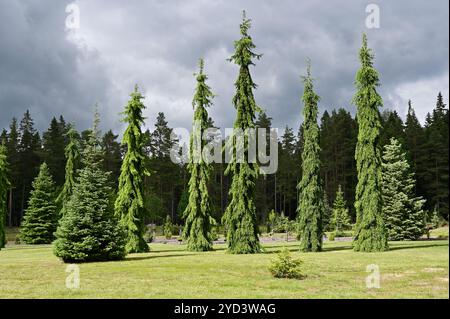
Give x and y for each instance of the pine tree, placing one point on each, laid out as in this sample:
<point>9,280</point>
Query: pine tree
<point>112,156</point>
<point>40,220</point>
<point>341,220</point>
<point>53,143</point>
<point>327,212</point>
<point>89,231</point>
<point>198,220</point>
<point>14,176</point>
<point>403,212</point>
<point>168,227</point>
<point>370,234</point>
<point>240,216</point>
<point>129,206</point>
<point>4,186</point>
<point>72,154</point>
<point>415,140</point>
<point>28,160</point>
<point>310,202</point>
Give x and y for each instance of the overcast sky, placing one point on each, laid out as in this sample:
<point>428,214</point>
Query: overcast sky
<point>52,70</point>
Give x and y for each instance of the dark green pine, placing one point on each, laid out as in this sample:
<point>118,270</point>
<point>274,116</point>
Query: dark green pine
<point>310,207</point>
<point>197,215</point>
<point>4,186</point>
<point>129,205</point>
<point>370,234</point>
<point>240,216</point>
<point>41,215</point>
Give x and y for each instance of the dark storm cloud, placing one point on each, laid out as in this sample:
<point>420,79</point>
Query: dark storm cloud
<point>157,44</point>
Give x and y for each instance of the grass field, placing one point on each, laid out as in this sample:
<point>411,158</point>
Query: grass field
<point>409,270</point>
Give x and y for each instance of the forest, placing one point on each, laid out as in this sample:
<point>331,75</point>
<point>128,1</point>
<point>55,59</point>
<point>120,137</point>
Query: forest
<point>166,190</point>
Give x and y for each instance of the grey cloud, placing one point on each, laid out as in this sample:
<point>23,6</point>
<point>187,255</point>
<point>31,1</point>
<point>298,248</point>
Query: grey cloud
<point>157,44</point>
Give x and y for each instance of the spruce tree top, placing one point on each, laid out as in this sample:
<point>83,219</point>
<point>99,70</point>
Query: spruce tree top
<point>244,100</point>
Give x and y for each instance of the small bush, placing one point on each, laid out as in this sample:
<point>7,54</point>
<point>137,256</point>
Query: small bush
<point>332,236</point>
<point>148,237</point>
<point>284,266</point>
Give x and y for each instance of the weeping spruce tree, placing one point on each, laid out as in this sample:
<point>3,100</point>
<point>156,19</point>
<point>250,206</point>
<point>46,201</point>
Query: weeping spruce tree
<point>72,152</point>
<point>129,205</point>
<point>370,232</point>
<point>240,216</point>
<point>89,231</point>
<point>4,185</point>
<point>197,215</point>
<point>310,201</point>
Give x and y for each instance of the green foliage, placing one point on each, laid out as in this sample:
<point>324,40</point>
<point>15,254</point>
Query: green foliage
<point>403,212</point>
<point>240,216</point>
<point>435,219</point>
<point>4,185</point>
<point>89,231</point>
<point>41,216</point>
<point>271,219</point>
<point>129,205</point>
<point>197,215</point>
<point>370,234</point>
<point>72,153</point>
<point>341,220</point>
<point>285,266</point>
<point>310,203</point>
<point>168,228</point>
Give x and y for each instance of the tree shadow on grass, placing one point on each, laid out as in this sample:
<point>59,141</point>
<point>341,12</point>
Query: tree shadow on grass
<point>412,246</point>
<point>134,258</point>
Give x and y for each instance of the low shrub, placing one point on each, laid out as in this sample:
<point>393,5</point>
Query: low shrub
<point>284,266</point>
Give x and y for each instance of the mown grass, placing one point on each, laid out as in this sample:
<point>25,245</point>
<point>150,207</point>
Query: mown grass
<point>409,270</point>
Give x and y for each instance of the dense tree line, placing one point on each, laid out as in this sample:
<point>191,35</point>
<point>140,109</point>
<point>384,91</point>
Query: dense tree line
<point>426,148</point>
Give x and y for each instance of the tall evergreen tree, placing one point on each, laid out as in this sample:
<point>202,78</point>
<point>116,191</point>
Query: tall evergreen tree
<point>403,211</point>
<point>4,186</point>
<point>371,233</point>
<point>197,228</point>
<point>240,216</point>
<point>129,206</point>
<point>310,202</point>
<point>415,140</point>
<point>89,231</point>
<point>14,176</point>
<point>29,159</point>
<point>41,216</point>
<point>437,131</point>
<point>72,154</point>
<point>112,156</point>
<point>53,143</point>
<point>341,220</point>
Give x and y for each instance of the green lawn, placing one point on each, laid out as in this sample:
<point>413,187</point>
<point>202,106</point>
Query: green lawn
<point>408,270</point>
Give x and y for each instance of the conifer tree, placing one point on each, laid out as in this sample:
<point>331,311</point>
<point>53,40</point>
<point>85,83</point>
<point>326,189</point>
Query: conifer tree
<point>403,212</point>
<point>341,220</point>
<point>240,216</point>
<point>370,229</point>
<point>72,153</point>
<point>129,205</point>
<point>41,216</point>
<point>310,202</point>
<point>89,231</point>
<point>4,186</point>
<point>197,215</point>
